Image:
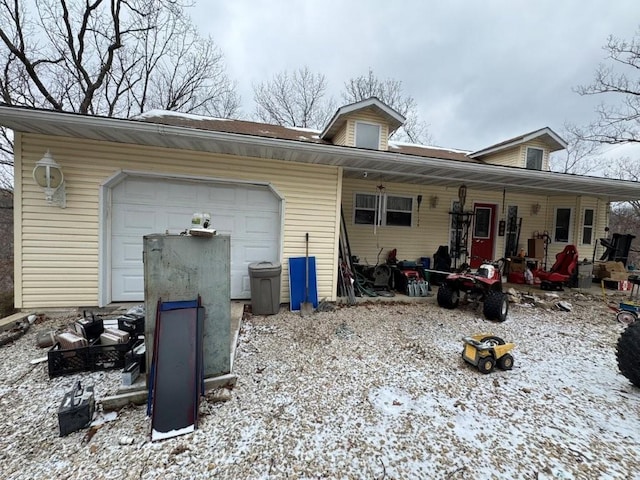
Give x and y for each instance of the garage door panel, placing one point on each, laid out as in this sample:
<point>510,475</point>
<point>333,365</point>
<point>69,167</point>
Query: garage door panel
<point>250,215</point>
<point>127,251</point>
<point>225,224</point>
<point>181,195</point>
<point>136,190</point>
<point>256,225</point>
<point>135,218</point>
<point>223,195</point>
<point>260,199</point>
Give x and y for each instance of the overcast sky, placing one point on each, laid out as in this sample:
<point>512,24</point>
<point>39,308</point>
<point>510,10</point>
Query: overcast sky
<point>480,71</point>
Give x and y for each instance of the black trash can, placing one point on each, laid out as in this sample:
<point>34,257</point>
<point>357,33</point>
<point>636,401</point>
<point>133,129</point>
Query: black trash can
<point>265,287</point>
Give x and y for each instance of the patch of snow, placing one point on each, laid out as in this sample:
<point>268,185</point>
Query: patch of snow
<point>169,113</point>
<point>433,147</point>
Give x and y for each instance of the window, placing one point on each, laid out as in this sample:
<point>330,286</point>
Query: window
<point>534,158</point>
<point>393,210</point>
<point>482,225</point>
<point>367,135</point>
<point>398,211</point>
<point>562,226</point>
<point>587,226</point>
<point>365,209</point>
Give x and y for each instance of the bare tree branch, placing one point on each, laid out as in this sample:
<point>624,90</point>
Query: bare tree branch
<point>109,57</point>
<point>294,100</point>
<point>389,92</point>
<point>619,83</point>
<point>580,157</point>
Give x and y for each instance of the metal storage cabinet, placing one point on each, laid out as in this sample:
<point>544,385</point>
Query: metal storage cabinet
<point>181,267</point>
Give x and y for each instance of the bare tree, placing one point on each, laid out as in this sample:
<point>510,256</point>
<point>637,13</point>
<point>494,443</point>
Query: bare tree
<point>580,157</point>
<point>109,57</point>
<point>389,92</point>
<point>618,81</point>
<point>294,100</point>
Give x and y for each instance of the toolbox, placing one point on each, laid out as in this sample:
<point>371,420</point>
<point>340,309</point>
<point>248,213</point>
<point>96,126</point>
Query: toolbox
<point>76,409</point>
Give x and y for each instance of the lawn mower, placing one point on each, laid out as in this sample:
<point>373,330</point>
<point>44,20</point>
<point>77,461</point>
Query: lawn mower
<point>483,286</point>
<point>485,351</point>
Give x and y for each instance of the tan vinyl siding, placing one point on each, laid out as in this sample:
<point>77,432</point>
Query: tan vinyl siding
<point>433,230</point>
<point>517,156</point>
<point>57,262</point>
<point>340,138</point>
<point>368,117</point>
<point>510,157</point>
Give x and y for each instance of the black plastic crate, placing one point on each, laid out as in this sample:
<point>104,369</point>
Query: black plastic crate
<point>87,359</point>
<point>64,362</point>
<point>105,357</point>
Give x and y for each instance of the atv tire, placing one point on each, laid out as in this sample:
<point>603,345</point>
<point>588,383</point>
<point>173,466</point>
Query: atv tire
<point>628,353</point>
<point>448,297</point>
<point>496,306</point>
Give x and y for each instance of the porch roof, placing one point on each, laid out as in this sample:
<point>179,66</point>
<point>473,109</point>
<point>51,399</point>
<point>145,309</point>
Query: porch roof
<point>389,165</point>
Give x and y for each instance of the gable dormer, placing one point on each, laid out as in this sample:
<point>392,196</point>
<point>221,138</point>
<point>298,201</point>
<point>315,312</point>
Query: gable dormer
<point>530,150</point>
<point>365,124</point>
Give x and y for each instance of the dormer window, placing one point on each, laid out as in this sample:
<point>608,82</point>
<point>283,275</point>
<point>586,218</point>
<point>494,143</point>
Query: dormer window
<point>534,158</point>
<point>367,135</point>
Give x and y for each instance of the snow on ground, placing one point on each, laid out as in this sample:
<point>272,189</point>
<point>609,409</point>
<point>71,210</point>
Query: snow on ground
<point>373,391</point>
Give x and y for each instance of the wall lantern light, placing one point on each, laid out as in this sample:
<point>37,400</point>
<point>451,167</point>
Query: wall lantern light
<point>48,175</point>
<point>433,201</point>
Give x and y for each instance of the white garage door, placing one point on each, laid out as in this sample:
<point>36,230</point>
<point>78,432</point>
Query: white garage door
<point>142,206</point>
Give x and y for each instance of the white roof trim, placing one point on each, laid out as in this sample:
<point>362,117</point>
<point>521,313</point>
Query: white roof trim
<point>354,107</point>
<point>354,161</point>
<point>520,140</point>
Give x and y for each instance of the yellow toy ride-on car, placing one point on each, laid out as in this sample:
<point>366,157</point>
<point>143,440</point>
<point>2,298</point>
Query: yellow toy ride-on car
<point>485,351</point>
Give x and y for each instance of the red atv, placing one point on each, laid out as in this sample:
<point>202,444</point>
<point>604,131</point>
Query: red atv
<point>483,286</point>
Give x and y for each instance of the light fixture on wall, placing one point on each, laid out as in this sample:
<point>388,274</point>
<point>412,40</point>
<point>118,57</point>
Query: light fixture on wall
<point>433,201</point>
<point>48,175</point>
<point>535,208</point>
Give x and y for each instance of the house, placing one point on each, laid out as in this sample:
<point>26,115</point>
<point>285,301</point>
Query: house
<point>267,186</point>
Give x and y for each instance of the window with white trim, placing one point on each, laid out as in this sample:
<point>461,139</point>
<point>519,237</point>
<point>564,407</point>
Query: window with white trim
<point>562,225</point>
<point>534,158</point>
<point>388,210</point>
<point>587,226</point>
<point>367,135</point>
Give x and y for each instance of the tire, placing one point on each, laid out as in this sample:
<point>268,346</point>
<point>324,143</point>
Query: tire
<point>626,317</point>
<point>628,353</point>
<point>486,364</point>
<point>496,306</point>
<point>448,297</point>
<point>505,362</point>
<point>493,340</point>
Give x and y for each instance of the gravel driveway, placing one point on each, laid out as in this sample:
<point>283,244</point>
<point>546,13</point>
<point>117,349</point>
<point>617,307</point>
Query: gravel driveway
<point>372,391</point>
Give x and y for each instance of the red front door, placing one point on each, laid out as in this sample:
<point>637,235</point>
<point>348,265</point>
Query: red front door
<point>483,236</point>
